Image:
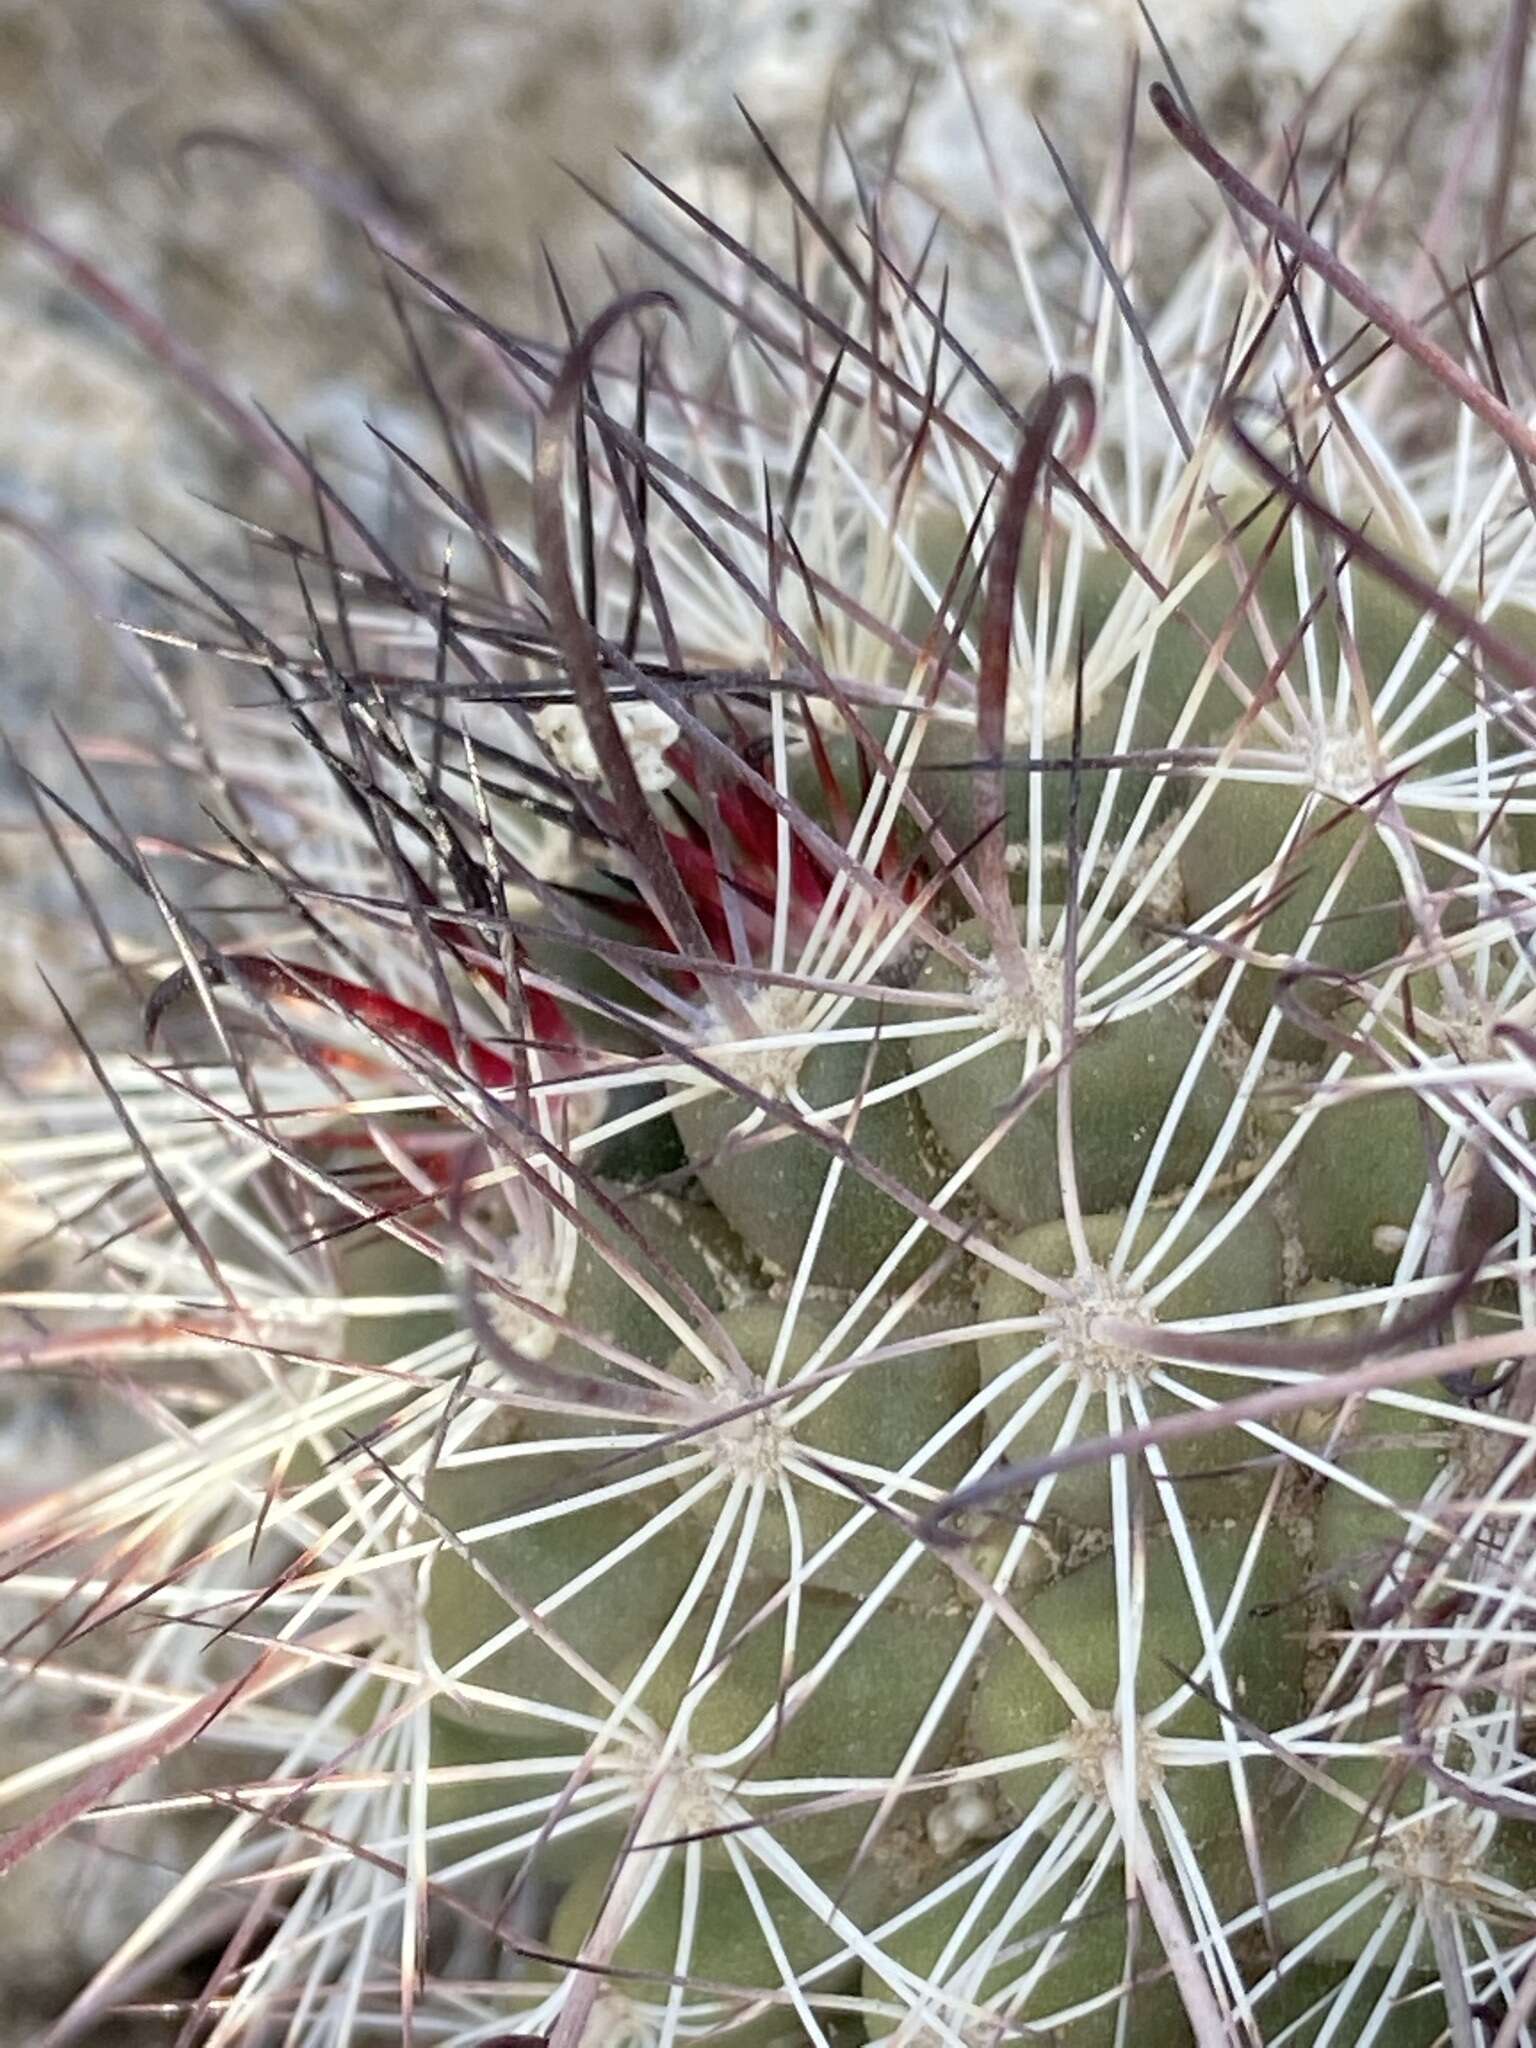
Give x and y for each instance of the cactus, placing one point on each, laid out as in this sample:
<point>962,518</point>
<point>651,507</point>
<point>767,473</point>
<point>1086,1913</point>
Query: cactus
<point>863,1285</point>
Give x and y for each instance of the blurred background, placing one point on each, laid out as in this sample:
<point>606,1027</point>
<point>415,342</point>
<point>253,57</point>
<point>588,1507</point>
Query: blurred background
<point>216,161</point>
